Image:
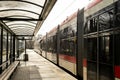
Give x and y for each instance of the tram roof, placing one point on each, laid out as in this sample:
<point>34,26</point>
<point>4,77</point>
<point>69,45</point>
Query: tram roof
<point>25,17</point>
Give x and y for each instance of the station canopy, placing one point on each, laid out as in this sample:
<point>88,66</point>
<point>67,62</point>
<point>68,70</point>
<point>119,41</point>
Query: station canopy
<point>25,17</point>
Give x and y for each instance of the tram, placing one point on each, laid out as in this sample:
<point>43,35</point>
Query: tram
<point>87,43</point>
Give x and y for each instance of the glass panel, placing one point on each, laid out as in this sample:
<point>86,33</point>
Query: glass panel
<point>11,48</point>
<point>23,32</point>
<point>92,49</point>
<point>4,44</point>
<point>43,44</point>
<point>21,25</point>
<point>105,55</point>
<point>106,20</point>
<point>68,39</point>
<point>85,28</point>
<point>16,48</point>
<point>117,49</point>
<point>21,22</point>
<point>106,72</point>
<point>21,46</point>
<point>9,40</point>
<point>7,13</point>
<point>49,45</point>
<point>117,24</point>
<point>23,28</point>
<point>4,48</point>
<point>92,25</point>
<point>118,20</point>
<point>19,5</point>
<point>0,48</point>
<point>92,71</point>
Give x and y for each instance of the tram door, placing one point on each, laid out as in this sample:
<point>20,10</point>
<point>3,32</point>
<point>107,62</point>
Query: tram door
<point>105,57</point>
<point>99,48</point>
<point>117,56</point>
<point>99,51</point>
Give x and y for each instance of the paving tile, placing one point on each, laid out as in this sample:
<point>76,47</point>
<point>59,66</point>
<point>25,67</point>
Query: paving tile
<point>38,68</point>
<point>34,76</point>
<point>51,79</point>
<point>48,75</point>
<point>36,79</point>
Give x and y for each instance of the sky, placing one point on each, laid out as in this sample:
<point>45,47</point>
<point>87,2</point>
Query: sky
<point>61,10</point>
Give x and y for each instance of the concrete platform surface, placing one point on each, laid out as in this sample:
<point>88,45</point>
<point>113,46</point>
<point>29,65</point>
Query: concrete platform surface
<point>38,68</point>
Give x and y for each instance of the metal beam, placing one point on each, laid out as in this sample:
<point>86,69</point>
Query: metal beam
<point>13,16</point>
<point>7,22</point>
<point>25,39</point>
<point>6,27</point>
<point>17,25</point>
<point>23,35</point>
<point>19,10</point>
<point>19,19</point>
<point>24,2</point>
<point>23,27</point>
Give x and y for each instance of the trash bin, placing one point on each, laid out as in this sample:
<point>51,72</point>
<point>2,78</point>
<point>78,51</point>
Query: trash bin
<point>25,57</point>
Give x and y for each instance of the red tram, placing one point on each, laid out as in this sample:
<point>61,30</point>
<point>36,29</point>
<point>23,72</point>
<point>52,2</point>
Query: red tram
<point>87,43</point>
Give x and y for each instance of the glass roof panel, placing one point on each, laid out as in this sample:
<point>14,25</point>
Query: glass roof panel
<point>21,25</point>
<point>21,22</point>
<point>18,12</point>
<point>23,31</point>
<point>19,7</point>
<point>25,37</point>
<point>22,16</point>
<point>10,22</point>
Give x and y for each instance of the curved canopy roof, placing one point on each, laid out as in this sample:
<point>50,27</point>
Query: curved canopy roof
<point>25,17</point>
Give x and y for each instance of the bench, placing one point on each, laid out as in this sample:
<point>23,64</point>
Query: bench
<point>8,72</point>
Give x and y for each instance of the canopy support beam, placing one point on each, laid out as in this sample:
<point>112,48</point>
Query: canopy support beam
<point>19,19</point>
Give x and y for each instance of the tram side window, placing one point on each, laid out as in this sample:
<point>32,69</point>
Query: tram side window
<point>118,20</point>
<point>49,46</point>
<point>44,45</point>
<point>92,25</point>
<point>65,32</point>
<point>118,15</point>
<point>92,49</point>
<point>65,47</point>
<point>92,71</point>
<point>117,49</point>
<point>106,20</point>
<point>105,54</point>
<point>54,44</point>
<point>105,58</point>
<point>85,28</point>
<point>72,48</point>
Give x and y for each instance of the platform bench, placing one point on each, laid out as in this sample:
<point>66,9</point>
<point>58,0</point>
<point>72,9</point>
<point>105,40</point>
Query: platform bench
<point>8,72</point>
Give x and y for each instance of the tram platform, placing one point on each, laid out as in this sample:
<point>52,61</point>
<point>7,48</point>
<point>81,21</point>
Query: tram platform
<point>38,68</point>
